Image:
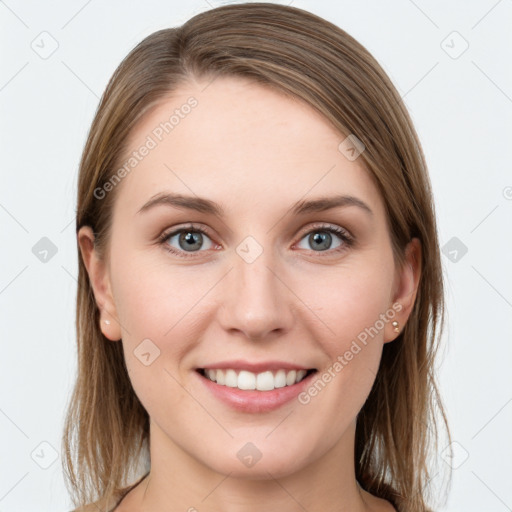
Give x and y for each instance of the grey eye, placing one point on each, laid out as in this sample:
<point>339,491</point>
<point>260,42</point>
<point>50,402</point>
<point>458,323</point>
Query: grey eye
<point>190,240</point>
<point>320,240</point>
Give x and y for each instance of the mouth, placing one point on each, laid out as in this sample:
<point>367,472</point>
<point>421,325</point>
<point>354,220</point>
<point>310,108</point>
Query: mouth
<point>255,388</point>
<point>263,381</point>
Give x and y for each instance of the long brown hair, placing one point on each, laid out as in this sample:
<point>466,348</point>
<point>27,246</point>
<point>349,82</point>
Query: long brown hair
<point>106,433</point>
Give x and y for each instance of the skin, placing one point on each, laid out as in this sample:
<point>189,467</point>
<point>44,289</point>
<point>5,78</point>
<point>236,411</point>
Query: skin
<point>256,153</point>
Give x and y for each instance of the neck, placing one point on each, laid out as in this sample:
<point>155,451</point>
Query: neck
<point>178,481</point>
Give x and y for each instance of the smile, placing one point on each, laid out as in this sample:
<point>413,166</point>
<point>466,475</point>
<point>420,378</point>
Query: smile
<point>255,387</point>
<point>263,381</point>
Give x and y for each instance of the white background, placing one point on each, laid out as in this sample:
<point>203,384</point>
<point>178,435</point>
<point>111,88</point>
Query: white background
<point>461,107</point>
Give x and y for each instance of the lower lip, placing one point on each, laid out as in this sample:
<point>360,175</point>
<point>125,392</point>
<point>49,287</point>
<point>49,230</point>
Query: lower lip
<point>254,400</point>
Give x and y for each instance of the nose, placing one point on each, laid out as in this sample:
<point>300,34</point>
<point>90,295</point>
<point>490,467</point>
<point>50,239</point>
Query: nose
<point>256,303</point>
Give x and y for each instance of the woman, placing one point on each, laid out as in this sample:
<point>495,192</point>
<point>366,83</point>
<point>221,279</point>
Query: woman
<point>260,288</point>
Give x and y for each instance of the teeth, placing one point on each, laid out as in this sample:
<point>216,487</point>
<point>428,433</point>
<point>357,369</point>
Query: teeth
<point>220,377</point>
<point>264,381</point>
<point>290,377</point>
<point>246,380</point>
<point>280,379</point>
<point>231,378</point>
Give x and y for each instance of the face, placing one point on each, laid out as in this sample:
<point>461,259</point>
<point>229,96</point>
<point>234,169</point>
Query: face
<point>242,275</point>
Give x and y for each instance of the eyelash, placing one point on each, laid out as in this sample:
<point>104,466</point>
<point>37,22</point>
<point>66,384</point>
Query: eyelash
<point>347,239</point>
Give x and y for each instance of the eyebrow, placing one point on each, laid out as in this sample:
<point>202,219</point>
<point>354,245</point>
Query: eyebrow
<point>206,206</point>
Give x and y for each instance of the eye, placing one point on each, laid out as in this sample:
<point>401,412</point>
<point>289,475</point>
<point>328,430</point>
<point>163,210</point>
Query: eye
<point>321,239</point>
<point>188,239</point>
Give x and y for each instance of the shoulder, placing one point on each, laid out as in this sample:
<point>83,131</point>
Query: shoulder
<point>377,504</point>
<point>114,502</point>
<point>98,506</point>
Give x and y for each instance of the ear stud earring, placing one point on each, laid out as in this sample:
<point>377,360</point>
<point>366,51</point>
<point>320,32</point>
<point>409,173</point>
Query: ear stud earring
<point>396,326</point>
<point>107,322</point>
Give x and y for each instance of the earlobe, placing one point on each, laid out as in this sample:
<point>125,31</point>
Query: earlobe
<point>406,288</point>
<point>100,284</point>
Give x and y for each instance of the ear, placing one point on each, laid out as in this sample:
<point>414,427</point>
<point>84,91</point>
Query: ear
<point>407,279</point>
<point>97,269</point>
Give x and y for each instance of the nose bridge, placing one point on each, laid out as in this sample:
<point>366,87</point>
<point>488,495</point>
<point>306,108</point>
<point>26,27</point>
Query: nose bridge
<point>256,302</point>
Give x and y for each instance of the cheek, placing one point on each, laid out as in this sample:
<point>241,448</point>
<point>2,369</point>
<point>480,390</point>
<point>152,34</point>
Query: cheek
<point>155,306</point>
<point>349,301</point>
<point>353,304</point>
<point>157,300</point>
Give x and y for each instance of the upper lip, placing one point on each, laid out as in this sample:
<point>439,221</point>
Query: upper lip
<point>254,367</point>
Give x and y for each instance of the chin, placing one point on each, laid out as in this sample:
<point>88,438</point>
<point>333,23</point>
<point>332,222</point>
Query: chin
<point>258,460</point>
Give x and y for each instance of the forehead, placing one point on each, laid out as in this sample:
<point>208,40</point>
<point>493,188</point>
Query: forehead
<point>241,144</point>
